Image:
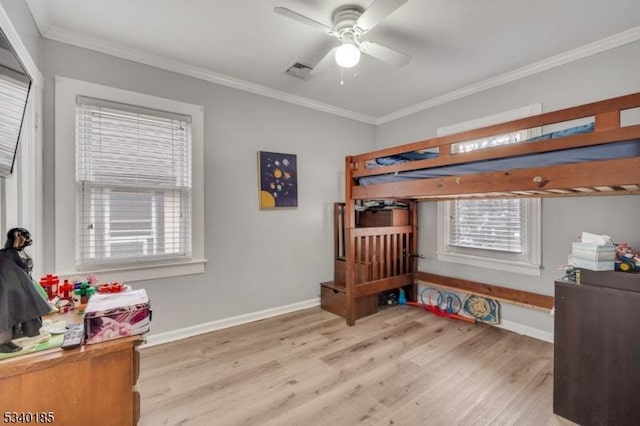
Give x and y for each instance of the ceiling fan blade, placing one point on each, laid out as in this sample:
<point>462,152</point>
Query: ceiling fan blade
<point>385,54</point>
<point>379,10</point>
<point>303,19</point>
<point>325,63</point>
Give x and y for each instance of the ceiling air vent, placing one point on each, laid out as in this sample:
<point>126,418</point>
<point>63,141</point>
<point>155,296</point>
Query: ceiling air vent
<point>298,69</point>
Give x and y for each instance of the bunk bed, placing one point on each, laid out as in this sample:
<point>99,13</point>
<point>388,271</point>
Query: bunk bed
<point>601,157</point>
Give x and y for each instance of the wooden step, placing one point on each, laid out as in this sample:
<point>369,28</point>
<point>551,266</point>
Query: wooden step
<point>333,298</point>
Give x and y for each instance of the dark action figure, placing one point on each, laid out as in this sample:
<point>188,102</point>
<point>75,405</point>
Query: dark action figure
<point>20,303</point>
<point>17,240</point>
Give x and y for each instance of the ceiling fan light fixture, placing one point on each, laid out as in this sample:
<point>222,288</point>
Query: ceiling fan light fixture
<point>347,55</point>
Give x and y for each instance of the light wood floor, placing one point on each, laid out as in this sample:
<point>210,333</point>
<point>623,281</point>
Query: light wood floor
<point>402,366</point>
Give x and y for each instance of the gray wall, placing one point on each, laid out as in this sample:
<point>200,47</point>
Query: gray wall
<point>25,26</point>
<point>257,259</point>
<point>609,74</point>
<point>264,259</point>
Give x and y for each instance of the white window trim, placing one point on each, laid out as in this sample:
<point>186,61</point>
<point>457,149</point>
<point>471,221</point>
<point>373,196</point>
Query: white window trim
<point>66,91</point>
<point>21,193</point>
<point>501,117</point>
<point>529,262</point>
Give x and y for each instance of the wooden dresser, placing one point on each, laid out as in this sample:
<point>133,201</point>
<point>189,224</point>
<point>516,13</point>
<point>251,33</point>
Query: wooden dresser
<point>91,385</point>
<point>597,349</point>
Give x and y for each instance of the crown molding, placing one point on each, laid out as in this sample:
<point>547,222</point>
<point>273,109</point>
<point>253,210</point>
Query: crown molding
<point>40,14</point>
<point>581,52</point>
<point>79,40</point>
<point>16,43</point>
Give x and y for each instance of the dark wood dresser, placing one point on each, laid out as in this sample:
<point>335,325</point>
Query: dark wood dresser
<point>597,349</point>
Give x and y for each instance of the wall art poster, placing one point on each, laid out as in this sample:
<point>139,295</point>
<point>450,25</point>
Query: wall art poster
<point>278,178</point>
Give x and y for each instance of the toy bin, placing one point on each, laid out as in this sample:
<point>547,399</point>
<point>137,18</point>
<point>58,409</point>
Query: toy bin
<point>115,315</point>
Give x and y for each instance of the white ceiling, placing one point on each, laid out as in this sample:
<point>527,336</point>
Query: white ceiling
<point>457,46</point>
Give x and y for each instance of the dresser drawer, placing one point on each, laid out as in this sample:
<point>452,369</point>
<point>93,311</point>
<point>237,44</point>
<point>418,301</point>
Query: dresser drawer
<point>333,298</point>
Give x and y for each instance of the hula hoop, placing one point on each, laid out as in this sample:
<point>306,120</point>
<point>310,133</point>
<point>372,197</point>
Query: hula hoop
<point>433,294</point>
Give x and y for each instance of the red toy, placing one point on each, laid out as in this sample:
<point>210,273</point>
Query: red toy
<point>65,291</point>
<point>50,284</point>
<point>114,287</point>
<point>442,313</point>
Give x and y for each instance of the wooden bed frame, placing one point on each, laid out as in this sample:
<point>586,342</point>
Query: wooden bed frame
<point>377,259</point>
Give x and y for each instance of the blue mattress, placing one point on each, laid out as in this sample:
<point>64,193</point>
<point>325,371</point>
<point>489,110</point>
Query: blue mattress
<point>429,153</point>
<point>609,151</point>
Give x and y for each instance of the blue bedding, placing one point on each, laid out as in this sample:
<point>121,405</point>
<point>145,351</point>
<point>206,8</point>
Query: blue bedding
<point>428,153</point>
<point>609,151</point>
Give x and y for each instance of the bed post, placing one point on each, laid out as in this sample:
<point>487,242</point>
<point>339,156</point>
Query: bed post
<point>349,224</point>
<point>412,290</point>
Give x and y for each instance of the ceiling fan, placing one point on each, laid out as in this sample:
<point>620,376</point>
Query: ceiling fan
<point>351,22</point>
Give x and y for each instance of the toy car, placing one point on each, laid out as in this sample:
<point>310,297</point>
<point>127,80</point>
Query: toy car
<point>626,259</point>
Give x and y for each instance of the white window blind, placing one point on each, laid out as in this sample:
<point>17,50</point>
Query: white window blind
<point>493,224</point>
<point>13,96</point>
<point>133,175</point>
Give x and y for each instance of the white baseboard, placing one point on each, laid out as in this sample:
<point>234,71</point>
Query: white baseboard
<point>182,333</point>
<point>525,330</point>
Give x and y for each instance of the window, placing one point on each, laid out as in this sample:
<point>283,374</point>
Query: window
<point>137,179</point>
<point>493,233</point>
<point>133,177</point>
<point>13,97</point>
<point>500,234</point>
<point>494,224</point>
<point>21,195</point>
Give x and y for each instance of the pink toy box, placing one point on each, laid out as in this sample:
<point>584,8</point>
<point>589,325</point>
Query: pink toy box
<point>115,315</point>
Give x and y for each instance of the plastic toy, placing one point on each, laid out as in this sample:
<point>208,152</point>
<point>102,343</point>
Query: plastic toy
<point>452,304</point>
<point>65,291</point>
<point>50,284</point>
<point>23,300</point>
<point>402,299</point>
<point>84,290</point>
<point>14,248</point>
<point>482,309</point>
<point>114,287</point>
<point>92,280</point>
<point>627,260</point>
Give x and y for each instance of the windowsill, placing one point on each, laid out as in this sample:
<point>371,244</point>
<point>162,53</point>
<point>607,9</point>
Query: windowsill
<point>483,262</point>
<point>142,272</point>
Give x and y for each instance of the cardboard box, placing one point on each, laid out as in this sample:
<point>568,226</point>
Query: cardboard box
<point>116,315</point>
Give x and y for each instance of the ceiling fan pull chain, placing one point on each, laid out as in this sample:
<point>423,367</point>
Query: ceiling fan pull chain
<point>341,76</point>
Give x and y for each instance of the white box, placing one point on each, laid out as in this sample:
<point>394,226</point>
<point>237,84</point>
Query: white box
<point>593,265</point>
<point>114,315</point>
<point>594,252</point>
